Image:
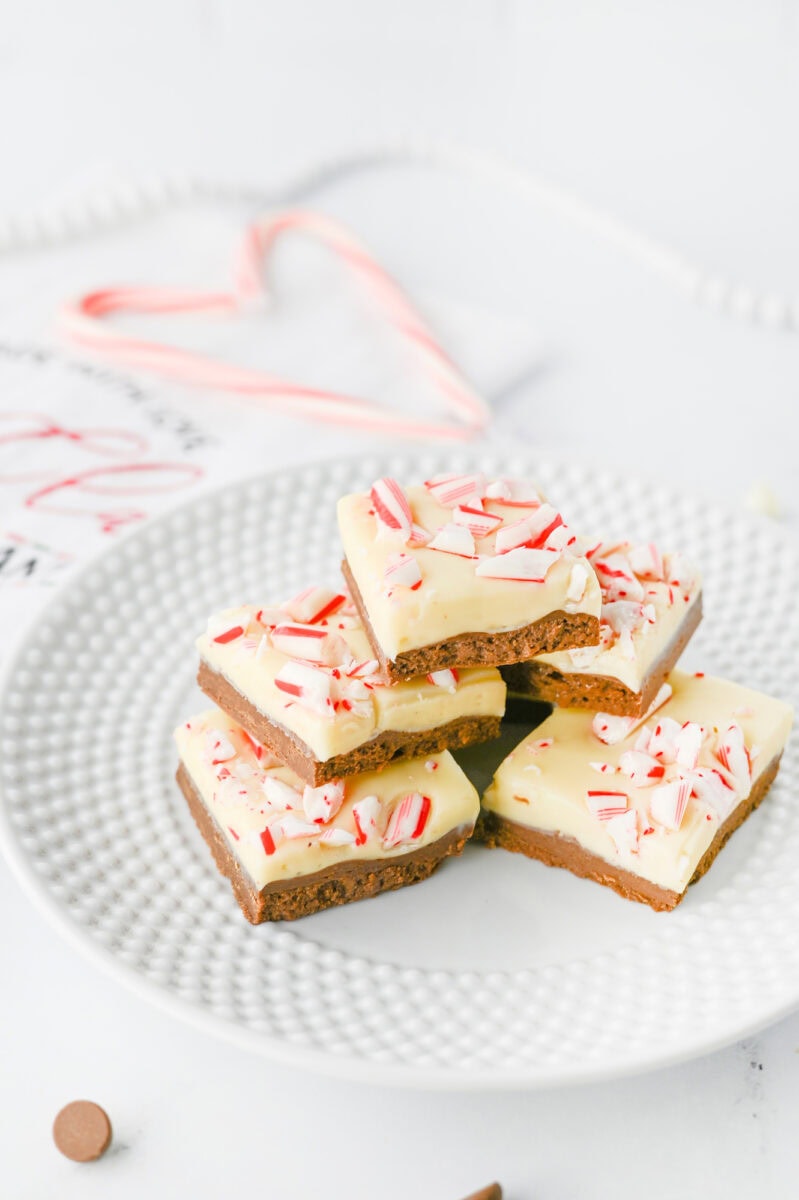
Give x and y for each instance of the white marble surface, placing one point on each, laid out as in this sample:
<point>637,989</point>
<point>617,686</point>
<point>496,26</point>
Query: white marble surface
<point>681,119</point>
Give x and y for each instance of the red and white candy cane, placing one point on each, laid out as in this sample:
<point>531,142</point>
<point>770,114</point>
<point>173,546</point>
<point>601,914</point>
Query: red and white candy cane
<point>82,320</point>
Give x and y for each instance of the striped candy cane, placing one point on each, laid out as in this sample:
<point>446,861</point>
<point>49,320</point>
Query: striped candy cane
<point>82,320</point>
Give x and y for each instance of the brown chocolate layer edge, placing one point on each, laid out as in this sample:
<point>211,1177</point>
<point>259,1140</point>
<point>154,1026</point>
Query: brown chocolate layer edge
<point>599,693</point>
<point>557,631</point>
<point>387,747</point>
<point>558,851</point>
<point>340,883</point>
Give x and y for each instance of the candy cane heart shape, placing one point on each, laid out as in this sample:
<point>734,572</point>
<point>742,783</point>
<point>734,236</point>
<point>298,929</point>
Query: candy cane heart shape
<point>84,321</point>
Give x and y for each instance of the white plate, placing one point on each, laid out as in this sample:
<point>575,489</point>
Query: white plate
<point>496,972</point>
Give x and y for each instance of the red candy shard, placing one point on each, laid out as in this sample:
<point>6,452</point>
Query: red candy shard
<point>642,769</point>
<point>647,561</point>
<point>611,729</point>
<point>370,818</point>
<point>668,801</point>
<point>308,684</point>
<point>402,570</point>
<point>293,827</point>
<point>452,490</point>
<point>314,604</point>
<point>391,505</point>
<point>623,829</point>
<point>229,635</point>
<point>322,803</point>
<point>453,539</point>
<point>313,643</point>
<point>604,804</point>
<point>337,837</point>
<point>268,841</point>
<point>479,523</point>
<point>733,754</point>
<point>408,819</point>
<point>446,678</point>
<point>529,566</point>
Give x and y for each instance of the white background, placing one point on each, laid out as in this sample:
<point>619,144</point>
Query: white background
<point>678,118</point>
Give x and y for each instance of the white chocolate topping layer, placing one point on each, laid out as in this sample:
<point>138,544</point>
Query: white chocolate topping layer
<point>646,599</point>
<point>460,555</point>
<point>340,703</point>
<point>278,828</point>
<point>652,801</point>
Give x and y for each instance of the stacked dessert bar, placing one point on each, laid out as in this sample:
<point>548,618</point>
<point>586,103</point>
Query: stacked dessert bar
<point>324,772</point>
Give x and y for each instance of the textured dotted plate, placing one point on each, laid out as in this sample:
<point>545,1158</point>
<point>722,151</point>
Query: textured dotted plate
<point>496,972</point>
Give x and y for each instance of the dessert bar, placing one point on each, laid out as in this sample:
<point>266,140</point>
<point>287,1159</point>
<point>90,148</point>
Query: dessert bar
<point>642,805</point>
<point>289,849</point>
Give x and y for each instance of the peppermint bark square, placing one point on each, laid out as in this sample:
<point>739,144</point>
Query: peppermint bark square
<point>640,805</point>
<point>301,679</point>
<point>289,849</point>
<point>651,606</point>
<point>465,571</point>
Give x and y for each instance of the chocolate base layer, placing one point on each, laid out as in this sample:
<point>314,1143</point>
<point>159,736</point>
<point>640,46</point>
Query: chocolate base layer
<point>387,747</point>
<point>557,631</point>
<point>599,693</point>
<point>341,883</point>
<point>558,851</point>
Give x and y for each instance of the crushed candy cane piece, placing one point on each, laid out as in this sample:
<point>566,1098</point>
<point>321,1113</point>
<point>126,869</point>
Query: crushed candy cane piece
<point>664,742</point>
<point>668,801</point>
<point>361,670</point>
<point>217,747</point>
<point>270,838</point>
<point>617,578</point>
<point>229,635</point>
<point>315,604</point>
<point>542,524</point>
<point>403,570</point>
<point>479,523</point>
<point>517,533</point>
<point>514,492</point>
<point>611,729</point>
<point>279,794</point>
<point>337,837</point>
<point>680,571</point>
<point>689,742</point>
<point>391,505</point>
<point>418,536</point>
<point>710,786</point>
<point>530,566</point>
<point>578,581</point>
<point>254,745</point>
<point>623,830</point>
<point>446,678</point>
<point>647,561</point>
<point>228,625</point>
<point>272,615</point>
<point>321,803</point>
<point>453,490</point>
<point>453,539</point>
<point>431,764</point>
<point>312,643</point>
<point>369,815</point>
<point>732,753</point>
<point>605,805</point>
<point>294,827</point>
<point>408,819</point>
<point>643,770</point>
<point>310,686</point>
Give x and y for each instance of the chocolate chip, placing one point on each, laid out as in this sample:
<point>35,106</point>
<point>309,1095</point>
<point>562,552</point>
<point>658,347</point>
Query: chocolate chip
<point>492,1192</point>
<point>82,1131</point>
